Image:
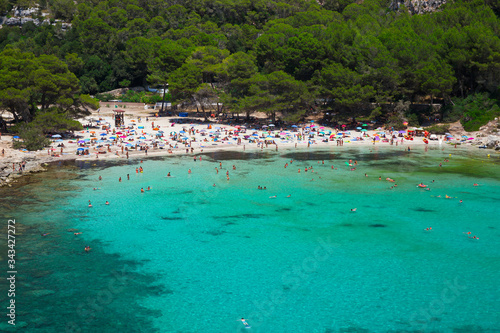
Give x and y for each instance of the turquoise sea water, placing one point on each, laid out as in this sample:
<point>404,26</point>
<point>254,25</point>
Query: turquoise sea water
<point>190,257</point>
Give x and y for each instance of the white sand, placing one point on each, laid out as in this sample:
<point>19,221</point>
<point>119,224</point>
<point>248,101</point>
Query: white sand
<point>198,142</point>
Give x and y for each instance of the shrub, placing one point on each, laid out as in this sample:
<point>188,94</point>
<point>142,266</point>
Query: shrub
<point>438,129</point>
<point>474,111</point>
<point>104,97</point>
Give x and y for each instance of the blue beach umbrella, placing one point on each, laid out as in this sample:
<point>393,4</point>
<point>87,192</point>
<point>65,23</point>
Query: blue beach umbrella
<point>294,126</point>
<point>56,136</point>
<point>358,128</point>
<point>103,134</point>
<point>16,137</point>
<point>80,149</point>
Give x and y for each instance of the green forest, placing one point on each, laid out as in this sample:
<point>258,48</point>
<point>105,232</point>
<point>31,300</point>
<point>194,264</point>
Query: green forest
<point>288,58</point>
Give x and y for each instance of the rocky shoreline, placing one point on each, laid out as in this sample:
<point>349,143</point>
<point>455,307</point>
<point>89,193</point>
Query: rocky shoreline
<point>9,167</point>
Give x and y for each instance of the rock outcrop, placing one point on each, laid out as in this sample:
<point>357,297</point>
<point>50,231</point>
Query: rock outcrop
<point>417,6</point>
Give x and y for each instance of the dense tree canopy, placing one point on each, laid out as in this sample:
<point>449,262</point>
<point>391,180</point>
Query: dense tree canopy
<point>286,57</point>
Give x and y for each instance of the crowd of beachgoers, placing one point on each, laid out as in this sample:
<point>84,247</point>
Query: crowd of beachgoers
<point>141,134</point>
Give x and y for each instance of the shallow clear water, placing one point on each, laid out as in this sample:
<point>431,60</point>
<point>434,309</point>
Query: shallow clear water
<point>190,257</point>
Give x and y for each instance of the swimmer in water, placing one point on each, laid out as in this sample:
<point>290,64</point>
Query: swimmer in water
<point>245,322</point>
<point>428,229</point>
<point>77,233</point>
<point>43,235</point>
<point>87,248</point>
<point>214,185</point>
<point>353,209</point>
<point>475,184</point>
<point>272,197</point>
<point>288,196</point>
<point>168,175</point>
<point>107,202</point>
<point>142,190</point>
<point>90,205</point>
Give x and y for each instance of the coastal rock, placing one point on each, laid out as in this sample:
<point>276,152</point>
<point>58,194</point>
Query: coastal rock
<point>492,141</point>
<point>417,6</point>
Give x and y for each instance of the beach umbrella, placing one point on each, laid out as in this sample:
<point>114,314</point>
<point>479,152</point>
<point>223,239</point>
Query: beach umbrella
<point>15,137</point>
<point>377,138</point>
<point>312,121</point>
<point>59,140</point>
<point>111,138</point>
<point>364,130</point>
<point>102,134</point>
<point>118,133</point>
<point>365,125</point>
<point>142,137</point>
<point>80,149</point>
<point>182,132</point>
<point>358,128</point>
<point>140,127</point>
<point>123,136</point>
<point>56,136</point>
<point>271,125</point>
<point>265,126</point>
<point>344,125</point>
<point>81,141</point>
<point>294,126</point>
<point>401,132</point>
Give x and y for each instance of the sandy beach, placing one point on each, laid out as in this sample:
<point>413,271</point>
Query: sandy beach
<point>145,135</point>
